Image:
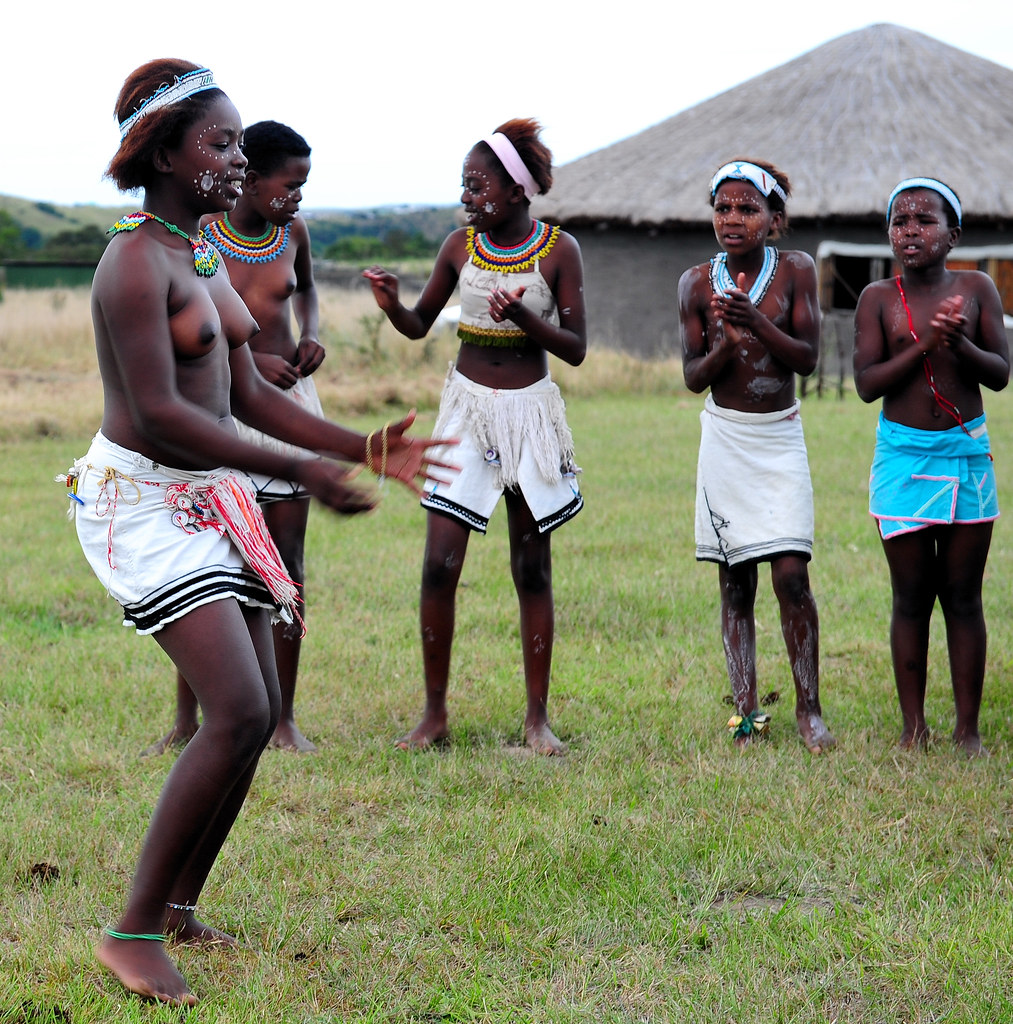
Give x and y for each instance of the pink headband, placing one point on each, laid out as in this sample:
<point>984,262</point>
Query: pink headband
<point>510,159</point>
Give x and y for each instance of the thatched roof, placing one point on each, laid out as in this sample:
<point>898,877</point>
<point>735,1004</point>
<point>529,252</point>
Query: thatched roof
<point>846,121</point>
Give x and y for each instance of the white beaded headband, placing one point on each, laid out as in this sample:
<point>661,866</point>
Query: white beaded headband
<point>930,183</point>
<point>741,170</point>
<point>186,85</point>
<point>511,160</point>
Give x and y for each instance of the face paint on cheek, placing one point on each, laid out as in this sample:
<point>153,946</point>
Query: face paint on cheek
<point>278,203</point>
<point>207,181</point>
<point>200,139</point>
<point>489,208</point>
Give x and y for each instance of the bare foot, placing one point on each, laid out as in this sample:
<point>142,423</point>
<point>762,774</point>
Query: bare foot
<point>816,736</point>
<point>183,928</point>
<point>143,968</point>
<point>542,740</point>
<point>970,744</point>
<point>911,739</point>
<point>431,731</point>
<point>178,737</point>
<point>288,736</point>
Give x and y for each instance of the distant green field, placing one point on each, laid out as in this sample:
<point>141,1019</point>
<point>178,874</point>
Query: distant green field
<point>46,275</point>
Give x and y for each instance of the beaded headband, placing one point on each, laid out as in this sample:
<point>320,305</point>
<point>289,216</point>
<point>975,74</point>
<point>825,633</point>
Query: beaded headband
<point>933,185</point>
<point>183,87</point>
<point>741,170</point>
<point>511,160</point>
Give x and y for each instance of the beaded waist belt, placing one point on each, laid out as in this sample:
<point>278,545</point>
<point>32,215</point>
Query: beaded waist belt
<point>491,337</point>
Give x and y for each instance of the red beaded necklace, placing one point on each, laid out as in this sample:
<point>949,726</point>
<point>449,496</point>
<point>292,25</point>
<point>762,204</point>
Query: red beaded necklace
<point>941,400</point>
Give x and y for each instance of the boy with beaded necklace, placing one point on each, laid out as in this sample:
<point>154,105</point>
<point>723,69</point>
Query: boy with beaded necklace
<point>266,246</point>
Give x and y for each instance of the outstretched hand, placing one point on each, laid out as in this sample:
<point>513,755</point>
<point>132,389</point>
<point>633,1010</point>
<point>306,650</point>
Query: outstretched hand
<point>385,287</point>
<point>408,458</point>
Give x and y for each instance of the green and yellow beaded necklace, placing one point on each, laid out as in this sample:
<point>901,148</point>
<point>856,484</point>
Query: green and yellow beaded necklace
<point>205,255</point>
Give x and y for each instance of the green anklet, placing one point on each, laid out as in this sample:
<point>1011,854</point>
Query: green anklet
<point>131,936</point>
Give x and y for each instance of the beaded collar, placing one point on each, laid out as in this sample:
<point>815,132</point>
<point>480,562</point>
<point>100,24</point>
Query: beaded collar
<point>266,247</point>
<point>486,254</point>
<point>205,255</point>
<point>721,280</point>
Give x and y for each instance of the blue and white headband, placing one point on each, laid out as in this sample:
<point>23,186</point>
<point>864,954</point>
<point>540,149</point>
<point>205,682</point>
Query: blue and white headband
<point>741,170</point>
<point>183,87</point>
<point>933,185</point>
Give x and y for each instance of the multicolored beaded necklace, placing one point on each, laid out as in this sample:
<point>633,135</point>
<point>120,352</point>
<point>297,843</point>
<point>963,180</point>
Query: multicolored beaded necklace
<point>205,255</point>
<point>266,247</point>
<point>721,280</point>
<point>486,254</point>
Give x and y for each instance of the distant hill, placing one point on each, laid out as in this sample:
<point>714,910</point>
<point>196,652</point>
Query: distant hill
<point>434,223</point>
<point>41,221</point>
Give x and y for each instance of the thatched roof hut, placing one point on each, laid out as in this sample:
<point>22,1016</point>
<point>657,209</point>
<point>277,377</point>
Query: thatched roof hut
<point>846,121</point>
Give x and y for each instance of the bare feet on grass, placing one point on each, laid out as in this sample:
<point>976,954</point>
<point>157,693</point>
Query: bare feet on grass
<point>288,736</point>
<point>542,740</point>
<point>431,731</point>
<point>183,928</point>
<point>816,736</point>
<point>913,738</point>
<point>176,738</point>
<point>143,968</point>
<point>970,743</point>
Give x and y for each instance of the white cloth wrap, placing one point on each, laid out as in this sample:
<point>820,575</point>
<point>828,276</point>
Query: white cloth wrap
<point>153,559</point>
<point>754,496</point>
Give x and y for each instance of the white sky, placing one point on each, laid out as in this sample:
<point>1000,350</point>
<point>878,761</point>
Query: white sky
<point>391,94</point>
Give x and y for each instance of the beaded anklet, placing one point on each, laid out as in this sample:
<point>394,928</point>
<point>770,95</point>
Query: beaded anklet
<point>743,726</point>
<point>182,906</point>
<point>131,936</point>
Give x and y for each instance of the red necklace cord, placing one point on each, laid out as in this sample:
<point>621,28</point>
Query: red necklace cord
<point>944,403</point>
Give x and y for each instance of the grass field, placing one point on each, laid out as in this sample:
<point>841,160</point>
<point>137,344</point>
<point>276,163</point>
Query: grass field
<point>655,874</point>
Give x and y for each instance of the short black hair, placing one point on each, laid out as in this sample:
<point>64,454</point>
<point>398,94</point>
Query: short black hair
<point>268,144</point>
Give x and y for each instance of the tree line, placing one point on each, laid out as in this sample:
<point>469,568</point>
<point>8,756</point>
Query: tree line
<point>343,236</point>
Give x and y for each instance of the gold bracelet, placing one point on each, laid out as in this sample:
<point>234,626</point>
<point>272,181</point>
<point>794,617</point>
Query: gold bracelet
<point>369,450</point>
<point>383,452</point>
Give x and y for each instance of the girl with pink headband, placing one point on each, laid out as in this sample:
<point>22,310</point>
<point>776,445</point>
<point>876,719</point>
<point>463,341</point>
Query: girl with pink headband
<point>522,300</point>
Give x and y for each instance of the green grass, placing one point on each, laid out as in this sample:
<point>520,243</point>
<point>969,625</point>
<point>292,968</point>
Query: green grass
<point>655,874</point>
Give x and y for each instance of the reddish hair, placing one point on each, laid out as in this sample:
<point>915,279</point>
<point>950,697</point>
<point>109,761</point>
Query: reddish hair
<point>524,133</point>
<point>132,168</point>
